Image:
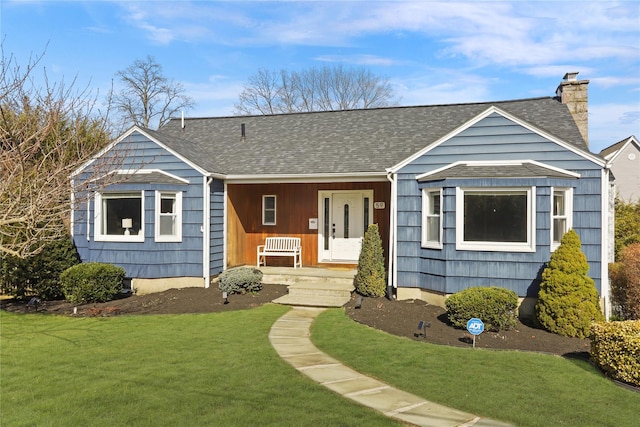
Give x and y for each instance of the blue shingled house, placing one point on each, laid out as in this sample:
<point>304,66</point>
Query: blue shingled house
<point>464,195</point>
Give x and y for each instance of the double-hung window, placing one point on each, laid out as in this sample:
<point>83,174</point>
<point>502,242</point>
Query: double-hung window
<point>495,219</point>
<point>561,215</point>
<point>168,224</point>
<point>119,217</point>
<point>432,218</point>
<point>269,210</point>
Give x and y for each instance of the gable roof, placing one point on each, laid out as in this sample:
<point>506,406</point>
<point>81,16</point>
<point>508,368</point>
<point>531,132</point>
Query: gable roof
<point>342,142</point>
<point>611,151</point>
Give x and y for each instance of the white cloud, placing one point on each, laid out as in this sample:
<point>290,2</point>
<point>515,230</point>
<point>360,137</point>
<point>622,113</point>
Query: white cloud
<point>610,123</point>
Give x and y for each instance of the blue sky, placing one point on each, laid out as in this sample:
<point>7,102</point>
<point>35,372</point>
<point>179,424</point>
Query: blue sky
<point>432,52</point>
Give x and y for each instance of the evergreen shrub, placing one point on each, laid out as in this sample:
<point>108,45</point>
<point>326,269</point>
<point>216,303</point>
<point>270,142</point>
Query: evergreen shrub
<point>38,275</point>
<point>240,280</point>
<point>568,300</point>
<point>370,280</point>
<point>92,282</point>
<point>496,307</point>
<point>615,348</point>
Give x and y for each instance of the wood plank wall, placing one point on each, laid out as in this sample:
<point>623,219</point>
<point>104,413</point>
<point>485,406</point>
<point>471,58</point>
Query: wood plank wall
<point>296,203</point>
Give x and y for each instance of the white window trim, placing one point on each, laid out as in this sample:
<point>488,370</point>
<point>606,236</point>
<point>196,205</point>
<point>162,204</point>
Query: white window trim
<point>426,200</point>
<point>178,213</point>
<point>568,213</point>
<point>528,246</point>
<point>275,209</point>
<point>97,224</point>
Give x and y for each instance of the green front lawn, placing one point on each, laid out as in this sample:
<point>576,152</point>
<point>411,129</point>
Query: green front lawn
<point>526,389</point>
<point>184,370</point>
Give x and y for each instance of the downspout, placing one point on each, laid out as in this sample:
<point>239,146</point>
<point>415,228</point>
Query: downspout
<point>606,240</point>
<point>391,277</point>
<point>224,226</point>
<point>206,230</point>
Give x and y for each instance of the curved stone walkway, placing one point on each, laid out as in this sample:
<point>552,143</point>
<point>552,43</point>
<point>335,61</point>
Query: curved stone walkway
<point>290,337</point>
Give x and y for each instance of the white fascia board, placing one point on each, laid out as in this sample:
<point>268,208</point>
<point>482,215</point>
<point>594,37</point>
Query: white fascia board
<point>497,163</point>
<point>629,141</point>
<point>306,178</point>
<point>493,109</point>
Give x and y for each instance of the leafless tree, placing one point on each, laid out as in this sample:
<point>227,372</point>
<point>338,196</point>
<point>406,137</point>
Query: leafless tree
<point>147,97</point>
<point>314,89</point>
<point>47,130</point>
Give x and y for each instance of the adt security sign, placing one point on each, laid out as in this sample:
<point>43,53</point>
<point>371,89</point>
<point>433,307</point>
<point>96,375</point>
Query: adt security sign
<point>475,327</point>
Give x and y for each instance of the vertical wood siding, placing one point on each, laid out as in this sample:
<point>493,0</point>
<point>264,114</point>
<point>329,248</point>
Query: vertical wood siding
<point>448,270</point>
<point>295,204</point>
<point>149,259</point>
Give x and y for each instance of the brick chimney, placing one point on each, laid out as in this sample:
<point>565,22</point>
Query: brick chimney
<point>573,93</point>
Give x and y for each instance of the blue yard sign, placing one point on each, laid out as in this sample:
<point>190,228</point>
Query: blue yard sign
<point>475,327</point>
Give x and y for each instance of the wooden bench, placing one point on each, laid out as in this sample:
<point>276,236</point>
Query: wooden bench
<point>280,246</point>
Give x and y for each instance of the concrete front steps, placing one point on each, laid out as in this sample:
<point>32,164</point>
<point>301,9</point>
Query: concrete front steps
<point>312,287</point>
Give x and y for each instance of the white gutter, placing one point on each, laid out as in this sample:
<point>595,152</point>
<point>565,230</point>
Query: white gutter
<point>393,273</point>
<point>305,178</point>
<point>224,227</point>
<point>206,227</point>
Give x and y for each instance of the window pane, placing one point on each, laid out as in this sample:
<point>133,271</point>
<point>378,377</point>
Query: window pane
<point>433,229</point>
<point>558,204</point>
<point>167,204</point>
<point>167,225</point>
<point>559,228</point>
<point>270,203</point>
<point>495,217</point>
<point>346,221</point>
<point>117,209</point>
<point>269,217</point>
<point>434,208</point>
<point>326,224</point>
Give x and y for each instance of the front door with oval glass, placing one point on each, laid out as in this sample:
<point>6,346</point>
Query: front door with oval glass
<point>345,216</point>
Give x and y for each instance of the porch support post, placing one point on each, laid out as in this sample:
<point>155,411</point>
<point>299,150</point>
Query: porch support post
<point>206,226</point>
<point>391,276</point>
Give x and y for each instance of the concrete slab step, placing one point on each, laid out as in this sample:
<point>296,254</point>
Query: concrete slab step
<point>312,301</point>
<point>321,289</point>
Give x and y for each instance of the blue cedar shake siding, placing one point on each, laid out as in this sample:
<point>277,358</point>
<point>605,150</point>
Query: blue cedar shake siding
<point>149,259</point>
<point>495,137</point>
<point>216,232</point>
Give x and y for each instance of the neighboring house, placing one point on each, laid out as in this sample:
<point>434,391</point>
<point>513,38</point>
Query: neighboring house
<point>624,160</point>
<point>465,194</point>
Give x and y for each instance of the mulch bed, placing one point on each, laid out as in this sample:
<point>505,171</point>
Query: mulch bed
<point>395,317</point>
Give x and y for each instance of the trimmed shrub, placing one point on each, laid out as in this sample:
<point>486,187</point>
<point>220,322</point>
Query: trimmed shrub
<point>38,275</point>
<point>92,282</point>
<point>496,307</point>
<point>240,280</point>
<point>568,300</point>
<point>370,280</point>
<point>625,283</point>
<point>615,348</point>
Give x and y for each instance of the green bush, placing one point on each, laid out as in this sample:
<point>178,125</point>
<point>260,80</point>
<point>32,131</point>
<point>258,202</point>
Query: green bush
<point>627,225</point>
<point>38,275</point>
<point>240,280</point>
<point>92,282</point>
<point>370,280</point>
<point>625,283</point>
<point>568,300</point>
<point>615,348</point>
<point>496,307</point>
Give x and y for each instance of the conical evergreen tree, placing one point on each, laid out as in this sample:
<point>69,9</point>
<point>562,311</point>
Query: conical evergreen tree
<point>370,278</point>
<point>568,300</point>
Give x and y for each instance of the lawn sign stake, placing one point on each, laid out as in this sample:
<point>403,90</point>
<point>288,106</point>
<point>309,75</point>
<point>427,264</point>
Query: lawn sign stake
<point>475,327</point>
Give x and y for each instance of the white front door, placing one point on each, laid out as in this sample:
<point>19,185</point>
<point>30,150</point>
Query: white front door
<point>343,224</point>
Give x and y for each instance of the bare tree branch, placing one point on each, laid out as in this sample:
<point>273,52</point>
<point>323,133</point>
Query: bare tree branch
<point>314,89</point>
<point>147,97</point>
<point>47,130</point>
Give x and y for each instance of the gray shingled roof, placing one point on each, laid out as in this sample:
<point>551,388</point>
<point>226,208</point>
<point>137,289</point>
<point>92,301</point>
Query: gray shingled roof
<point>341,142</point>
<point>524,170</point>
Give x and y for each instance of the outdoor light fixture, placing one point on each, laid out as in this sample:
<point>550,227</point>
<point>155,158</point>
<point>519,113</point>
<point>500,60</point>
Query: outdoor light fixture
<point>127,223</point>
<point>358,302</point>
<point>225,297</point>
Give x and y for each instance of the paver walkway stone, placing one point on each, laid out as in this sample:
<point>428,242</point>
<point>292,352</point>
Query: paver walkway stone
<point>289,335</point>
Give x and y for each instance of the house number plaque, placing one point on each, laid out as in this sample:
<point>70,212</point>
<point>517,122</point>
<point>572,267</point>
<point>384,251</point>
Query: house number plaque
<point>378,205</point>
